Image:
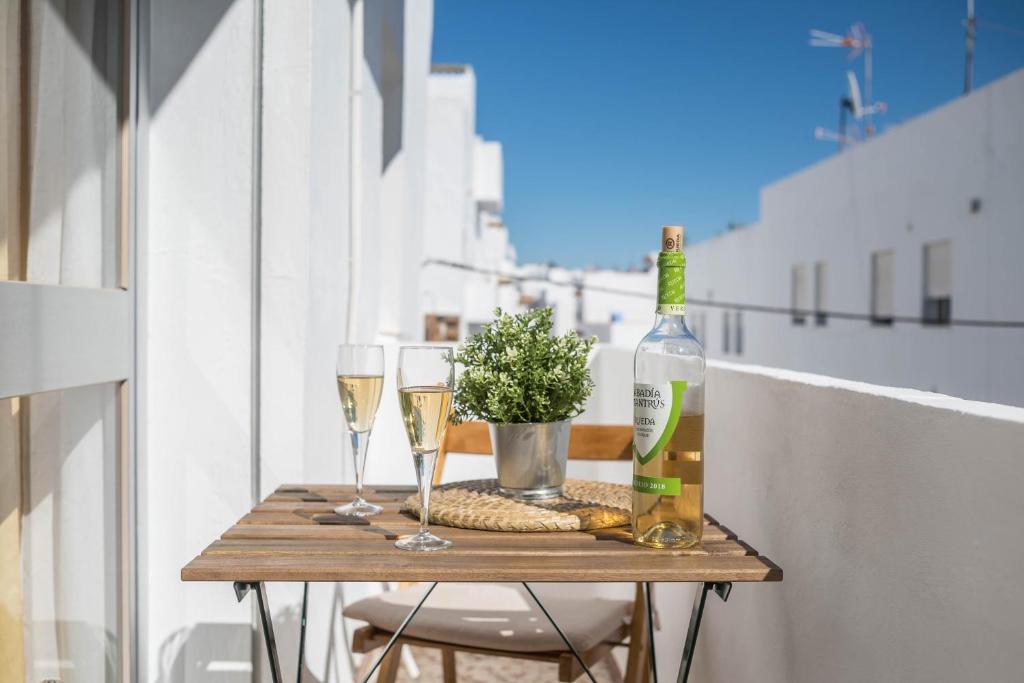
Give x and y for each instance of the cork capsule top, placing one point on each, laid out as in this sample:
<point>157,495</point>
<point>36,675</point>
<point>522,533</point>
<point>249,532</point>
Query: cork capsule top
<point>672,238</point>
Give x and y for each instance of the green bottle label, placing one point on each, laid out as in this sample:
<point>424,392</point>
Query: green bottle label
<point>671,283</point>
<point>656,410</point>
<point>663,486</point>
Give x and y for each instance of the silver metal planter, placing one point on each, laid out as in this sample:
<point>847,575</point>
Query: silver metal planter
<point>531,458</point>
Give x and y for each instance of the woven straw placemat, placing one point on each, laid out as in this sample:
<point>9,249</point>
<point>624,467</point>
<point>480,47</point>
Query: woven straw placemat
<point>479,504</point>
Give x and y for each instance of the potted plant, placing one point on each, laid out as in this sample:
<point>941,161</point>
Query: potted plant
<point>527,385</point>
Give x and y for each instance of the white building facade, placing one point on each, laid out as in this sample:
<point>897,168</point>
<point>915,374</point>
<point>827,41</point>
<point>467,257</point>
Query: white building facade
<point>465,241</point>
<point>916,230</point>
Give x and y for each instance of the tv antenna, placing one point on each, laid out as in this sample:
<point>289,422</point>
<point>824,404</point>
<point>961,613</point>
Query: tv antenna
<point>971,24</point>
<point>858,42</point>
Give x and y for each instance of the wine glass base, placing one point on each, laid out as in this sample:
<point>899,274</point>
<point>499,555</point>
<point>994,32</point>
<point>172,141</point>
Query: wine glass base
<point>423,541</point>
<point>359,508</point>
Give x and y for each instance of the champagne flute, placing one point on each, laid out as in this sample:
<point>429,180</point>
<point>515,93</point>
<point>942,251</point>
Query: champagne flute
<point>360,373</point>
<point>426,378</point>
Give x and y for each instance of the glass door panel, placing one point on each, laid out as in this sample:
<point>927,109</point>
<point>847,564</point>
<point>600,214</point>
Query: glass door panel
<point>71,553</point>
<point>61,123</point>
<point>65,491</point>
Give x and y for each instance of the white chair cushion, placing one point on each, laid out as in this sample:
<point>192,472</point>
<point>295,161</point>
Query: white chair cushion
<point>497,616</point>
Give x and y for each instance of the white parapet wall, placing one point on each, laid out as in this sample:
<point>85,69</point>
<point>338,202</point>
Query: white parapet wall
<point>895,515</point>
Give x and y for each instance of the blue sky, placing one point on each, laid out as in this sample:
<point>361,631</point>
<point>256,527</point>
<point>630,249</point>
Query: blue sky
<point>617,117</point>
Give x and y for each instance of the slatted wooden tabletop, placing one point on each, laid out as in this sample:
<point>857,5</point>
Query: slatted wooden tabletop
<point>293,535</point>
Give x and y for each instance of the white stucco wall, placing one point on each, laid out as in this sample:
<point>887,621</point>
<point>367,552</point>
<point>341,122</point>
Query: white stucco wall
<point>403,191</point>
<point>893,513</point>
<point>448,209</point>
<point>305,242</point>
<point>555,287</point>
<point>463,201</point>
<point>908,187</point>
<point>488,174</point>
<point>196,220</point>
<point>633,313</point>
<point>306,266</point>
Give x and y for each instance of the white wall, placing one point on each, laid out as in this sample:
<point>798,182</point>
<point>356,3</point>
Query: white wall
<point>198,219</point>
<point>893,513</point>
<point>464,199</point>
<point>194,451</point>
<point>554,287</point>
<point>305,228</point>
<point>488,174</point>
<point>448,209</point>
<point>403,192</point>
<point>306,267</point>
<point>617,306</point>
<point>907,187</point>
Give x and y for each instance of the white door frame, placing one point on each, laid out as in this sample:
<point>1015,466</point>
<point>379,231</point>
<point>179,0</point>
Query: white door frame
<point>55,337</point>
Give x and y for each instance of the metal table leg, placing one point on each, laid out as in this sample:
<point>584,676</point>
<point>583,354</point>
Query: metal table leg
<point>653,659</point>
<point>302,630</point>
<point>398,632</point>
<point>561,634</point>
<point>722,590</point>
<point>241,589</point>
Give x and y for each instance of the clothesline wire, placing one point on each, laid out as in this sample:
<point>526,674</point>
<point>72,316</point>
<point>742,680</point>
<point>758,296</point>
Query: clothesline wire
<point>729,305</point>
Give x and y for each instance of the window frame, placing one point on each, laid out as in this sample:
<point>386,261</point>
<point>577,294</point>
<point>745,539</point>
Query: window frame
<point>797,292</point>
<point>936,311</point>
<point>820,293</point>
<point>726,333</point>
<point>57,337</point>
<point>876,318</point>
<point>739,331</point>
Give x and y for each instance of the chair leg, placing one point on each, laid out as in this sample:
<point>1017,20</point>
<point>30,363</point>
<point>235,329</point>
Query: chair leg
<point>389,667</point>
<point>448,664</point>
<point>636,662</point>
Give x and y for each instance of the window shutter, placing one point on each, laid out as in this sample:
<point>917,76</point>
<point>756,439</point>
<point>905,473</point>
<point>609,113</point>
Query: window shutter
<point>938,268</point>
<point>820,287</point>
<point>882,289</point>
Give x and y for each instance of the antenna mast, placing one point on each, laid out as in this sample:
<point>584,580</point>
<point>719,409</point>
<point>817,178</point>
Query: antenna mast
<point>969,56</point>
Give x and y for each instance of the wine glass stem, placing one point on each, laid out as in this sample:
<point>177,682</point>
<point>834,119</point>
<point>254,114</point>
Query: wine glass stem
<point>424,478</point>
<point>360,441</point>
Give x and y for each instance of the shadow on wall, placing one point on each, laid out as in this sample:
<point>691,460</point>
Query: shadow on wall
<point>93,652</point>
<point>207,652</point>
<point>220,653</point>
<point>90,22</point>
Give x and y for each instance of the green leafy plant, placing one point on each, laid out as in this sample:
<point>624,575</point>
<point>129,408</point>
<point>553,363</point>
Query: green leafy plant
<point>515,371</point>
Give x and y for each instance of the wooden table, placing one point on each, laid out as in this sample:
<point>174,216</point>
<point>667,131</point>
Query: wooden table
<point>294,535</point>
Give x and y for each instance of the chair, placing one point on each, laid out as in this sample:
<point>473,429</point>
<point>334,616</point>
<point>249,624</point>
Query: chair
<point>594,626</point>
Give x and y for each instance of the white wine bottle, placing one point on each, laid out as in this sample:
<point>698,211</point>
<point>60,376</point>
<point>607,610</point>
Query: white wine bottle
<point>668,415</point>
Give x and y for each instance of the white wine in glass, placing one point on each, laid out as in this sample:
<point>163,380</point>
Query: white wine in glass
<point>426,379</point>
<point>360,373</point>
<point>360,398</point>
<point>425,413</point>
